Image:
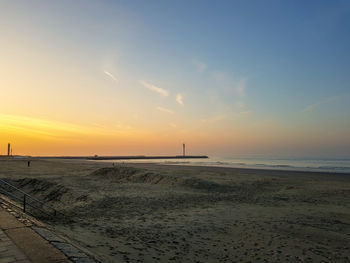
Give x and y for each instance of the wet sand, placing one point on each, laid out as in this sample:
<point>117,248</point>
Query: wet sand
<point>159,213</point>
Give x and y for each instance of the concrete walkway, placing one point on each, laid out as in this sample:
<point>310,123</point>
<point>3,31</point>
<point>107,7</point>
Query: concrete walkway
<point>9,252</point>
<point>20,243</point>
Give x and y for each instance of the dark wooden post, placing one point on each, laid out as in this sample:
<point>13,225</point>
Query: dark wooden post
<point>24,203</point>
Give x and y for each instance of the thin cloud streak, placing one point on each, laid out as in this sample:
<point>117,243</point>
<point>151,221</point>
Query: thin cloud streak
<point>314,106</point>
<point>179,99</point>
<point>154,88</point>
<point>241,87</point>
<point>200,66</point>
<point>165,110</point>
<point>226,82</point>
<point>111,76</point>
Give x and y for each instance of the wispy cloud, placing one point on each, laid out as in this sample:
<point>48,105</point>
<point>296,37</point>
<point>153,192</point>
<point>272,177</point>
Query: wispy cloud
<point>240,104</point>
<point>111,76</point>
<point>227,83</point>
<point>179,99</point>
<point>172,125</point>
<point>316,105</point>
<point>199,65</point>
<point>310,107</point>
<point>223,90</point>
<point>241,87</point>
<point>154,88</point>
<point>165,110</point>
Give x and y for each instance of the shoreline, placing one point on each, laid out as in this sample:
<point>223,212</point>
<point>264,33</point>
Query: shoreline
<point>277,169</point>
<point>208,162</point>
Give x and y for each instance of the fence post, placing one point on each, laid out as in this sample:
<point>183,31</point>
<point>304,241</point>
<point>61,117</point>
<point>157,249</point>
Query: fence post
<point>24,203</point>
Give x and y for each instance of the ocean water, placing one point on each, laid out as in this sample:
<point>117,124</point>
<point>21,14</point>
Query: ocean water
<point>296,164</point>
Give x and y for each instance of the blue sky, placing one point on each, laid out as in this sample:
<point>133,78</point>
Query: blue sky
<point>246,64</point>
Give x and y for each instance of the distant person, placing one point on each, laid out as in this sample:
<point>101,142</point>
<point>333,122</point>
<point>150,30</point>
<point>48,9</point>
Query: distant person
<point>28,163</point>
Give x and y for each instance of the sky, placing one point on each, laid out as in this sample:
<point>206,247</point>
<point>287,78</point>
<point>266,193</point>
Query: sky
<point>228,78</point>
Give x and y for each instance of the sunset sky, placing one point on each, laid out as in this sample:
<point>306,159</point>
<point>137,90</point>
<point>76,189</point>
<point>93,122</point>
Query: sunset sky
<point>141,77</point>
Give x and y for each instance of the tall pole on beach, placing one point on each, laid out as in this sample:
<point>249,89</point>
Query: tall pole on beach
<point>183,149</point>
<point>8,149</point>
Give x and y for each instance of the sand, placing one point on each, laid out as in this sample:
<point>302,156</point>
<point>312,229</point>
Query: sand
<point>160,213</point>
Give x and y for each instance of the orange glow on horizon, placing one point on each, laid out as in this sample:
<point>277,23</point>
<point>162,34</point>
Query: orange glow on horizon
<point>34,136</point>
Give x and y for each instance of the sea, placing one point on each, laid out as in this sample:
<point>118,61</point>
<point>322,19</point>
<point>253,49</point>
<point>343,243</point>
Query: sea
<point>294,164</point>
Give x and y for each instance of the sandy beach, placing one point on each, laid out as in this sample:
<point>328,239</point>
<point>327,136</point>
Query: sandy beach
<point>159,213</point>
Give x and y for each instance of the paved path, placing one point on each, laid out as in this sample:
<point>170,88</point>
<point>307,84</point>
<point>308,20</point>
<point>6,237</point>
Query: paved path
<point>9,252</point>
<point>20,243</point>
